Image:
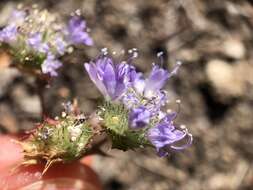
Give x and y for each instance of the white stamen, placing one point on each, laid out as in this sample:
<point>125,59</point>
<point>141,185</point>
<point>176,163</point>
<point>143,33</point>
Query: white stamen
<point>183,126</point>
<point>104,51</point>
<point>135,55</point>
<point>63,114</point>
<point>179,63</point>
<point>80,145</point>
<point>78,12</point>
<point>161,115</point>
<point>100,118</point>
<point>169,111</point>
<point>70,49</point>
<point>178,101</point>
<point>75,131</point>
<point>159,54</point>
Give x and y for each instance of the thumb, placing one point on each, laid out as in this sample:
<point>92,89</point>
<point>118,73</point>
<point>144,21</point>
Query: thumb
<point>73,176</point>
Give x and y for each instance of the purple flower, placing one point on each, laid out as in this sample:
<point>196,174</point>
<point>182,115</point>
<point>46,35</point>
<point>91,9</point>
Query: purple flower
<point>35,41</point>
<point>77,31</point>
<point>50,65</point>
<point>110,78</point>
<point>130,100</point>
<point>17,16</point>
<point>164,136</point>
<point>139,117</point>
<point>8,34</point>
<point>155,82</point>
<point>137,81</point>
<point>60,45</point>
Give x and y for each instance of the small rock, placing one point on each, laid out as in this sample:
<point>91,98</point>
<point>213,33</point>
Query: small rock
<point>225,78</point>
<point>8,119</point>
<point>29,103</point>
<point>234,48</point>
<point>189,55</point>
<point>7,75</point>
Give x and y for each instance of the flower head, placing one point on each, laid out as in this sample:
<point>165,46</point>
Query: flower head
<point>50,65</point>
<point>77,31</point>
<point>8,34</point>
<point>60,45</point>
<point>138,116</point>
<point>37,33</point>
<point>35,42</point>
<point>110,78</point>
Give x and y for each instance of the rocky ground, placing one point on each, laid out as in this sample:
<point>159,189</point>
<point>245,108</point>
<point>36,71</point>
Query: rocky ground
<point>212,38</point>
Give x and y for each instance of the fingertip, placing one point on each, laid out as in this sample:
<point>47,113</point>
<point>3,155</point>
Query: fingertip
<point>74,175</point>
<point>77,175</point>
<point>11,152</point>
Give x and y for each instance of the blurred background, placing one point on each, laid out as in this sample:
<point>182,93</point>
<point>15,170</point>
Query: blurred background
<point>214,40</point>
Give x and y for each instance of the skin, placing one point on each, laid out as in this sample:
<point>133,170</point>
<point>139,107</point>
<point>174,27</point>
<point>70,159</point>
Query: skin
<point>73,176</point>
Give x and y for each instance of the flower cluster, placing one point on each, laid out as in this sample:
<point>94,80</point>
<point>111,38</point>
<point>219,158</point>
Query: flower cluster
<point>143,98</point>
<point>133,114</point>
<point>37,38</point>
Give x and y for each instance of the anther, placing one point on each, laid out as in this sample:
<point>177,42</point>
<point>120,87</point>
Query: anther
<point>159,54</point>
<point>63,114</point>
<point>135,55</point>
<point>104,51</point>
<point>130,51</point>
<point>183,127</point>
<point>78,12</point>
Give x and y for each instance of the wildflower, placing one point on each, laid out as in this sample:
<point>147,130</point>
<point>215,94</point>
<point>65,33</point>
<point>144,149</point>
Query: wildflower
<point>77,31</point>
<point>17,16</point>
<point>134,115</point>
<point>139,118</point>
<point>155,81</point>
<point>110,78</point>
<point>35,42</point>
<point>60,45</point>
<point>8,34</point>
<point>50,65</point>
<point>32,34</point>
<point>164,136</point>
<point>64,139</point>
<point>146,92</point>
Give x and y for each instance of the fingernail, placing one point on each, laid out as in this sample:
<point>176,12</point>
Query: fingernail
<point>60,184</point>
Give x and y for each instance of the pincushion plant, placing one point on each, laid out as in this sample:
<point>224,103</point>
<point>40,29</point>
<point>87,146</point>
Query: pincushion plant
<point>131,117</point>
<point>36,39</point>
<point>133,113</point>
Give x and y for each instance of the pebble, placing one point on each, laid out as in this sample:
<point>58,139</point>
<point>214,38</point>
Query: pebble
<point>29,103</point>
<point>224,78</point>
<point>7,75</point>
<point>234,48</point>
